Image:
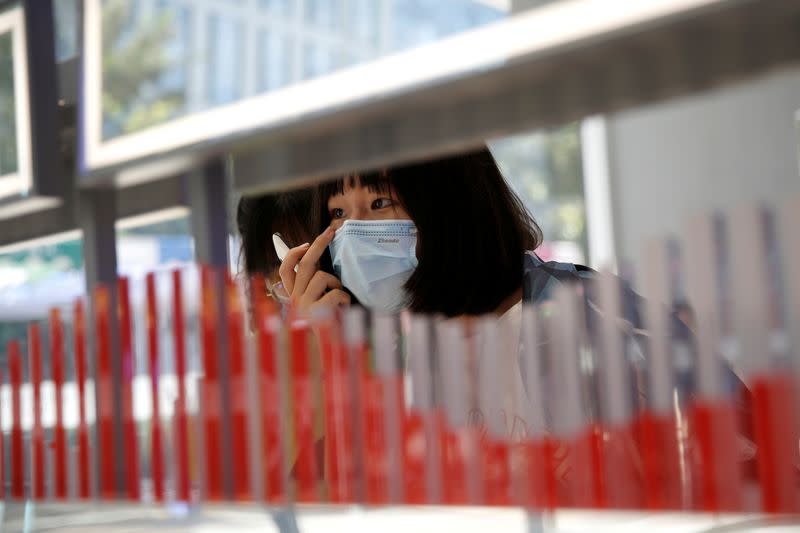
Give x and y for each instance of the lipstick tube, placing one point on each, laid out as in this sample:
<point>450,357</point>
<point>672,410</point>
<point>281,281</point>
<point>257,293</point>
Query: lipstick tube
<point>17,452</point>
<point>535,481</point>
<point>580,478</point>
<point>156,451</point>
<point>181,420</point>
<point>79,336</point>
<point>303,402</point>
<point>423,423</point>
<point>494,443</point>
<point>621,486</point>
<point>238,390</point>
<point>355,336</point>
<point>104,398</point>
<point>59,433</point>
<point>390,377</point>
<point>37,433</point>
<point>276,473</point>
<point>461,443</point>
<point>657,425</point>
<point>772,386</point>
<point>374,434</point>
<point>339,461</point>
<point>2,454</point>
<point>210,387</point>
<point>788,222</point>
<point>717,478</point>
<point>381,398</point>
<point>131,444</point>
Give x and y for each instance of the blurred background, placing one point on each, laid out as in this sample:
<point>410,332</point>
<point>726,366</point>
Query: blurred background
<point>597,186</point>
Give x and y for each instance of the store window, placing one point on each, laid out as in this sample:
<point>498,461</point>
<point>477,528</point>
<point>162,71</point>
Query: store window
<point>226,52</point>
<point>274,51</point>
<point>278,8</point>
<point>8,122</point>
<point>65,13</point>
<point>545,169</point>
<point>317,59</point>
<point>163,59</point>
<point>322,13</point>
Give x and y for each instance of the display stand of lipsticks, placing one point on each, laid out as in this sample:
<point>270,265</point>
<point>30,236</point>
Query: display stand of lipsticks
<point>271,418</point>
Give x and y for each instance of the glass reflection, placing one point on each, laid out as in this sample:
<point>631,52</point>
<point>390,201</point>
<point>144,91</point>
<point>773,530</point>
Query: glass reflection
<point>163,59</point>
<point>8,121</point>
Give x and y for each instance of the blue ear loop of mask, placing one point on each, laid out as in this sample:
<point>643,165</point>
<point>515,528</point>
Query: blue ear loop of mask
<point>374,259</point>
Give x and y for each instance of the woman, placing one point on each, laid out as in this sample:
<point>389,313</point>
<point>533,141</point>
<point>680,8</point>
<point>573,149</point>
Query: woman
<point>289,213</point>
<point>474,240</point>
<point>447,237</point>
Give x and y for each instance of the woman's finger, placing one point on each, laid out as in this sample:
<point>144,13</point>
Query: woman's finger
<point>308,264</point>
<point>286,270</point>
<point>334,298</point>
<point>321,282</point>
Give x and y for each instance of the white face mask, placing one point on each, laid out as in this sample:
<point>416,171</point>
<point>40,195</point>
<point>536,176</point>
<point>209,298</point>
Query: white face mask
<point>374,259</point>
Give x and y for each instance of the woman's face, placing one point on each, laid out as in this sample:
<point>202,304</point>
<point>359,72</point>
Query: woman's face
<point>360,203</point>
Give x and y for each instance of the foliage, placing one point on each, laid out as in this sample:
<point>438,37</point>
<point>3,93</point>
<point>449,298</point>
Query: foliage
<point>134,59</point>
<point>8,122</point>
<point>546,170</point>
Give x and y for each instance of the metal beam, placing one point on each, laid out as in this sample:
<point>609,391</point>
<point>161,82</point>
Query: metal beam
<point>131,201</point>
<point>43,97</point>
<point>633,67</point>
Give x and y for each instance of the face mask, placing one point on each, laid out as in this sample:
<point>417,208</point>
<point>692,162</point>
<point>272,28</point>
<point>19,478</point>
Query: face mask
<point>374,259</point>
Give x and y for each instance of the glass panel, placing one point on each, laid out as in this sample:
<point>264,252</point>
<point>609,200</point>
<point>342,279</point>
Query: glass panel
<point>164,59</point>
<point>274,70</point>
<point>317,60</point>
<point>8,120</point>
<point>142,56</point>
<point>226,48</point>
<point>66,23</point>
<point>545,169</point>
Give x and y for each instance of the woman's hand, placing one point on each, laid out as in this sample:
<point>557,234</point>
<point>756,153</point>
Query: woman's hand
<point>309,286</point>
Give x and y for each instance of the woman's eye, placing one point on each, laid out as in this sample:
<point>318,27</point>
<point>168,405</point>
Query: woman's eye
<point>336,212</point>
<point>382,203</point>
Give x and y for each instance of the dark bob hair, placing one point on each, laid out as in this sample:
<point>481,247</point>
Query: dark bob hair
<point>472,230</point>
<point>289,213</point>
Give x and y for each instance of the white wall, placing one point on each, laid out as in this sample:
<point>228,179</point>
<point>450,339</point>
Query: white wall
<point>710,151</point>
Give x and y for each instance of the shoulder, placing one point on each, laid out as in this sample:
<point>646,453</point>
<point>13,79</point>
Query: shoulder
<point>541,277</point>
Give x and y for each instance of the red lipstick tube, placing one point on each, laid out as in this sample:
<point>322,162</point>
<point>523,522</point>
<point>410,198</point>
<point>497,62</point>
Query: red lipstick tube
<point>581,475</point>
<point>339,464</point>
<point>17,452</point>
<point>79,325</point>
<point>390,380</point>
<point>37,435</point>
<point>156,451</point>
<point>59,433</point>
<point>104,398</point>
<point>495,447</point>
<point>773,396</point>
<point>182,486</point>
<point>423,424</point>
<point>268,327</point>
<point>621,486</point>
<point>535,481</point>
<point>716,476</point>
<point>657,424</point>
<point>131,444</point>
<point>238,390</point>
<point>461,443</point>
<point>210,387</point>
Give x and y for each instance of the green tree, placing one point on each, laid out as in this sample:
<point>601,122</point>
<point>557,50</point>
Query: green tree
<point>134,58</point>
<point>8,120</point>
